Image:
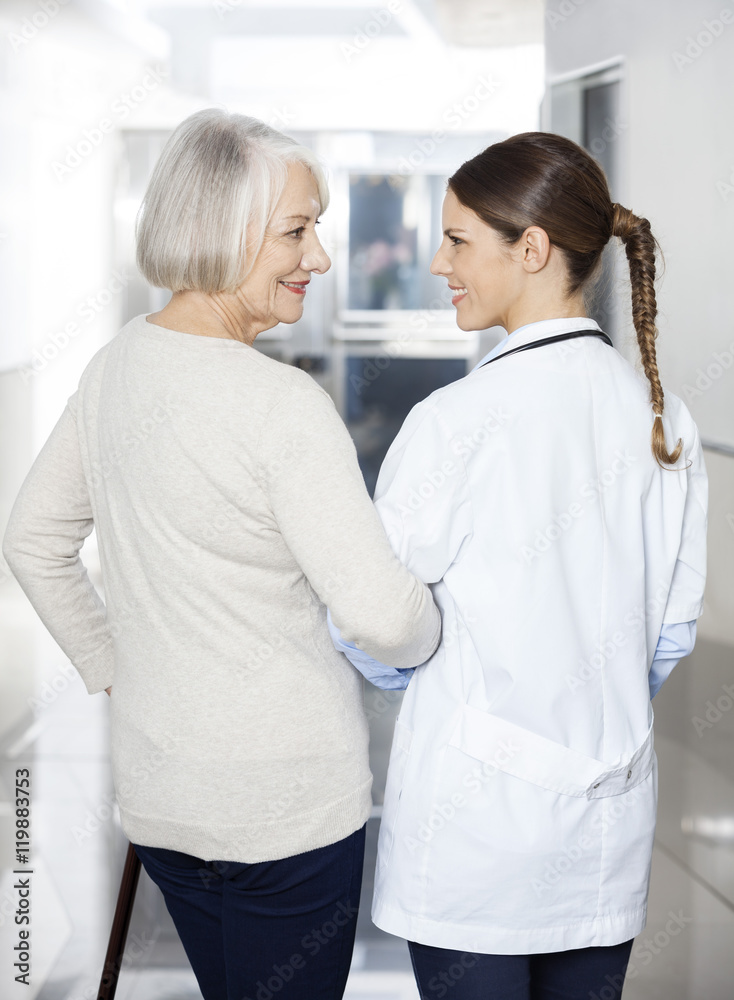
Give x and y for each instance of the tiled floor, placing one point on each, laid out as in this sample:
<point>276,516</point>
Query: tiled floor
<point>685,953</point>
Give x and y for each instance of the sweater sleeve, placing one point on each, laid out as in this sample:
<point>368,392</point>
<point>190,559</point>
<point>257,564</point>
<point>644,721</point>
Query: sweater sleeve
<point>51,518</point>
<point>318,498</point>
<point>382,676</point>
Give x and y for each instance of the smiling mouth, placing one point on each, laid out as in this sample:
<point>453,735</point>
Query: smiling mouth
<point>459,293</point>
<point>297,287</point>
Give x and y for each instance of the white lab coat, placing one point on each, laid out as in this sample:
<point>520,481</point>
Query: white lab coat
<point>520,803</point>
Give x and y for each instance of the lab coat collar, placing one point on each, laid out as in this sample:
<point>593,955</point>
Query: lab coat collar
<point>537,331</point>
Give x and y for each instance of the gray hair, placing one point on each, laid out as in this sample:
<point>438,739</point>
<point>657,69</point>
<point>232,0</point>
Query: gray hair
<point>209,200</point>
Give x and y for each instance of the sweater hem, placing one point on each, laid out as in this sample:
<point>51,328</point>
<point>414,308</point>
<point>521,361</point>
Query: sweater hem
<point>256,842</point>
<point>599,931</point>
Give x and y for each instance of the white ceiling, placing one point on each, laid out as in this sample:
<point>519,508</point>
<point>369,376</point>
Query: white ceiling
<point>475,23</point>
<point>490,22</point>
<point>432,65</point>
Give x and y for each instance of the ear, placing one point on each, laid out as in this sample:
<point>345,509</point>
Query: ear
<point>534,249</point>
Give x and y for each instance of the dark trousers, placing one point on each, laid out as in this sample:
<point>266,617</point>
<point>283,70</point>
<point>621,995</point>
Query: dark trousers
<point>272,930</point>
<point>581,974</point>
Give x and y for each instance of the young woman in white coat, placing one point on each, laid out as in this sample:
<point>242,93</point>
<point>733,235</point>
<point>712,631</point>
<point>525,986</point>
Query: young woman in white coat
<point>555,500</point>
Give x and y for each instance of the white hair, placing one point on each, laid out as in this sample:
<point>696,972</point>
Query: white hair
<point>209,200</point>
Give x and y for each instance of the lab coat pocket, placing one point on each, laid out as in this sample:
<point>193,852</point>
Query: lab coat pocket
<point>505,746</point>
<point>401,743</point>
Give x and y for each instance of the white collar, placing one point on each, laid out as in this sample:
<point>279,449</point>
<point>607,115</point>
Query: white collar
<point>537,331</point>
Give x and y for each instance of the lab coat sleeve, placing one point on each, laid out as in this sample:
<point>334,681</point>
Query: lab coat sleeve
<point>685,598</point>
<point>422,494</point>
<point>675,642</point>
<point>48,524</point>
<point>322,509</point>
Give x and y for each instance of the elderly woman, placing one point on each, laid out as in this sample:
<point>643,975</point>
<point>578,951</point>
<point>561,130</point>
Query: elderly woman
<point>229,510</point>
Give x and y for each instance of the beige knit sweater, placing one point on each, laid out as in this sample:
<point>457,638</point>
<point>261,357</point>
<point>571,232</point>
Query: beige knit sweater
<point>230,511</point>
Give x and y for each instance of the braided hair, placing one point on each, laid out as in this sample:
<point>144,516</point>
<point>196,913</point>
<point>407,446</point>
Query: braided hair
<point>543,179</point>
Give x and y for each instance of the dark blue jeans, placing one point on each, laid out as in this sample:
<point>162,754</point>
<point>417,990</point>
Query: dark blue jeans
<point>272,930</point>
<point>581,974</point>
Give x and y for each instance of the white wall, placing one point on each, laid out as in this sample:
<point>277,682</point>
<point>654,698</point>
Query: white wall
<point>69,86</point>
<point>679,145</point>
<point>62,73</point>
<point>678,161</point>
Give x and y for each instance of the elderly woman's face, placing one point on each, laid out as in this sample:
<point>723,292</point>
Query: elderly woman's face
<point>275,288</point>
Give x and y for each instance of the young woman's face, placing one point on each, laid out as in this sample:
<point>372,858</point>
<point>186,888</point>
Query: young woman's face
<point>275,288</point>
<point>481,272</point>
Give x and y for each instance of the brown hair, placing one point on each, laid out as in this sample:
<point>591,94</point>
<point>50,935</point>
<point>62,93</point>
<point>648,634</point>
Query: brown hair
<point>543,179</point>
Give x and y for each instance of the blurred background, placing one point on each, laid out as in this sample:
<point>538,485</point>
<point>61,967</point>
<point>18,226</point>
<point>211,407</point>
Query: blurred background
<point>393,95</point>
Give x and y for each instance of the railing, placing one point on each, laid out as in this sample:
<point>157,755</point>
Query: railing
<point>721,449</point>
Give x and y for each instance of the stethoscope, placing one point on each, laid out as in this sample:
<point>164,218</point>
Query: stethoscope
<point>552,340</point>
